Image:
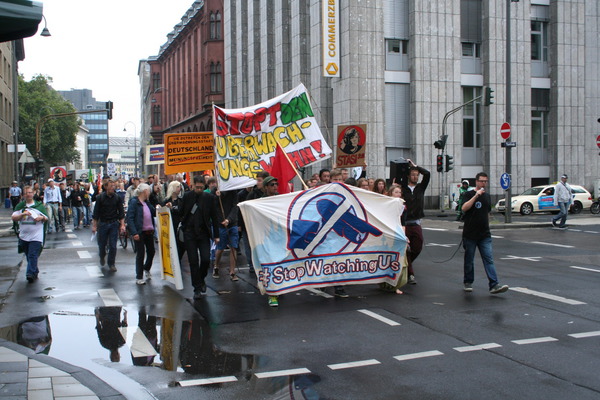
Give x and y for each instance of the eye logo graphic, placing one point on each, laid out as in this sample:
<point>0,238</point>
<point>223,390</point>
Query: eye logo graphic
<point>328,223</point>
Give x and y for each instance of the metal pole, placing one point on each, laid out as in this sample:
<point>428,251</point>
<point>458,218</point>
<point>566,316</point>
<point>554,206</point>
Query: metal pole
<point>508,197</point>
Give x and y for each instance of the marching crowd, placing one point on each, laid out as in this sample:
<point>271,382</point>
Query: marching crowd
<point>208,221</point>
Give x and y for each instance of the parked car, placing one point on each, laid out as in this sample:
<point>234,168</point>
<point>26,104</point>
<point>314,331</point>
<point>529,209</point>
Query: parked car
<point>541,198</point>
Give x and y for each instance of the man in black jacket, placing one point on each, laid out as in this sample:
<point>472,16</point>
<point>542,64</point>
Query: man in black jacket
<point>413,193</point>
<point>199,216</point>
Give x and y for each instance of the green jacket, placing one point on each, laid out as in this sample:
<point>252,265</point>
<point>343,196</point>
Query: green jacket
<point>38,205</point>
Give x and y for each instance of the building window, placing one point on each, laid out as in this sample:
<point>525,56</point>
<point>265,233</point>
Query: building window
<point>539,40</point>
<point>215,25</point>
<point>216,79</point>
<point>396,55</point>
<point>472,50</point>
<point>156,81</point>
<point>471,35</point>
<point>472,142</point>
<point>540,110</point>
<point>156,117</point>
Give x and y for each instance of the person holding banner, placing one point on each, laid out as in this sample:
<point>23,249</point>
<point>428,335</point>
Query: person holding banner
<point>199,216</point>
<point>174,202</point>
<point>141,226</point>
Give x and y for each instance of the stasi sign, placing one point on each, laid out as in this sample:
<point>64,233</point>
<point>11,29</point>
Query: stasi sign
<point>330,26</point>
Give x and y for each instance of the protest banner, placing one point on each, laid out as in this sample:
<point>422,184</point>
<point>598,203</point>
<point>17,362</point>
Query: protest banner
<point>187,152</point>
<point>350,151</point>
<point>246,138</point>
<point>167,249</point>
<point>155,154</point>
<point>326,236</point>
<point>59,174</point>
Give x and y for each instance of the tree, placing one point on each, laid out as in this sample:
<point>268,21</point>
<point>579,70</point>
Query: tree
<point>57,135</point>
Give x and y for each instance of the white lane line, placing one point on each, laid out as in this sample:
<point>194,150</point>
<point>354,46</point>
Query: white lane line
<point>71,236</point>
<point>590,232</point>
<point>283,372</point>
<point>423,354</point>
<point>547,296</point>
<point>585,269</point>
<point>379,317</point>
<point>566,246</point>
<point>77,243</point>
<point>319,292</point>
<point>94,271</point>
<point>207,381</point>
<point>575,230</point>
<point>477,347</point>
<point>353,364</point>
<point>511,257</point>
<point>435,229</point>
<point>84,254</point>
<point>109,297</point>
<point>497,237</point>
<point>535,340</point>
<point>440,245</point>
<point>584,334</point>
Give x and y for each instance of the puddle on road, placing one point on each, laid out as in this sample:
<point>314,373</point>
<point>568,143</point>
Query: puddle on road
<point>117,334</point>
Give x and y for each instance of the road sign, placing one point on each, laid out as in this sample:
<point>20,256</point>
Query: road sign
<point>505,130</point>
<point>598,141</point>
<point>508,144</point>
<point>505,181</point>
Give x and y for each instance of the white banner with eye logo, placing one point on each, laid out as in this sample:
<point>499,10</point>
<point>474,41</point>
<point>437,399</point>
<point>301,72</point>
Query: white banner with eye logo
<point>326,236</point>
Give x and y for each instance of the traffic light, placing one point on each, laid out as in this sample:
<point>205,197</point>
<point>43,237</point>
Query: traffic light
<point>109,108</point>
<point>488,96</point>
<point>441,142</point>
<point>41,168</point>
<point>440,163</point>
<point>449,163</point>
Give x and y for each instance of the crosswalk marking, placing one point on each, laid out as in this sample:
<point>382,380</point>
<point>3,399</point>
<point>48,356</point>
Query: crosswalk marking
<point>584,334</point>
<point>535,340</point>
<point>435,229</point>
<point>379,317</point>
<point>353,364</point>
<point>484,346</point>
<point>77,243</point>
<point>283,372</point>
<point>319,293</point>
<point>94,271</point>
<point>585,269</point>
<point>566,246</point>
<point>71,236</point>
<point>110,297</point>
<point>511,257</point>
<point>137,342</point>
<point>207,381</point>
<point>423,354</point>
<point>84,254</point>
<point>547,296</point>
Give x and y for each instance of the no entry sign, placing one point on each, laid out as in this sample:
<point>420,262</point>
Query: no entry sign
<point>598,141</point>
<point>505,130</point>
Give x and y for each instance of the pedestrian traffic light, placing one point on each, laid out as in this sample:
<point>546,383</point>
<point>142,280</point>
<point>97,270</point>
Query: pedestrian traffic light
<point>449,163</point>
<point>109,108</point>
<point>441,142</point>
<point>488,96</point>
<point>440,163</point>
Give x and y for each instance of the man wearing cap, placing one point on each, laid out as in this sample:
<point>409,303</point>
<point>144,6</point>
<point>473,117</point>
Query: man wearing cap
<point>15,194</point>
<point>53,203</point>
<point>562,199</point>
<point>464,188</point>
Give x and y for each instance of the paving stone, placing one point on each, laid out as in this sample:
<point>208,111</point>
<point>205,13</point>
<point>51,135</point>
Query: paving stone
<point>13,389</point>
<point>77,398</point>
<point>20,366</point>
<point>64,380</point>
<point>71,390</point>
<point>45,394</point>
<point>39,383</point>
<point>13,377</point>
<point>36,364</point>
<point>45,372</point>
<point>8,355</point>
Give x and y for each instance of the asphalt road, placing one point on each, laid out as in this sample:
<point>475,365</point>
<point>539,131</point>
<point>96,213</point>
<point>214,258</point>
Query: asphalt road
<point>539,340</point>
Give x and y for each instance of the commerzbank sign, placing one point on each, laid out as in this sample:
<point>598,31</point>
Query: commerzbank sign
<point>331,38</point>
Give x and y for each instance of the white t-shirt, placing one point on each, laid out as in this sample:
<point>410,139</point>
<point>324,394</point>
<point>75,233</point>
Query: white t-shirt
<point>29,229</point>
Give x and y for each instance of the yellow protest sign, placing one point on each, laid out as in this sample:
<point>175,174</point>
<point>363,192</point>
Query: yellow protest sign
<point>187,152</point>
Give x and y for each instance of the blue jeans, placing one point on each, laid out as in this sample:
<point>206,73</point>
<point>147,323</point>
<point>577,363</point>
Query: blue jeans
<point>32,252</point>
<point>53,218</point>
<point>86,216</point>
<point>562,215</point>
<point>485,249</point>
<point>108,234</point>
<point>77,213</point>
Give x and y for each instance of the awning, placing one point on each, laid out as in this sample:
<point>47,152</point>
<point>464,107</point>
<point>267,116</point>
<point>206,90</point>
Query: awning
<point>19,19</point>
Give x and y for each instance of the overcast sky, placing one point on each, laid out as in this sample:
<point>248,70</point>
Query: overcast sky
<point>97,45</point>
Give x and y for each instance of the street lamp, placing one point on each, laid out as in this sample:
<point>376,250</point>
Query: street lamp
<point>135,171</point>
<point>45,32</point>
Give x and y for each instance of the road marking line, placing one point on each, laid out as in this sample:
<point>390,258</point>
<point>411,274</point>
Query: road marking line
<point>71,235</point>
<point>94,271</point>
<point>497,237</point>
<point>584,334</point>
<point>84,254</point>
<point>511,257</point>
<point>585,269</point>
<point>589,231</point>
<point>77,243</point>
<point>575,230</point>
<point>440,245</point>
<point>109,297</point>
<point>435,229</point>
<point>283,372</point>
<point>423,354</point>
<point>547,296</point>
<point>566,246</point>
<point>207,381</point>
<point>353,364</point>
<point>379,317</point>
<point>320,293</point>
<point>138,343</point>
<point>535,340</point>
<point>476,347</point>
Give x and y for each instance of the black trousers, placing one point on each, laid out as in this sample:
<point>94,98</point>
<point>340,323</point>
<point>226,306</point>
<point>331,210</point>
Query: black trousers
<point>199,264</point>
<point>144,247</point>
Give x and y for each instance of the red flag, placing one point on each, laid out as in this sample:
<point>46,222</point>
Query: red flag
<point>282,170</point>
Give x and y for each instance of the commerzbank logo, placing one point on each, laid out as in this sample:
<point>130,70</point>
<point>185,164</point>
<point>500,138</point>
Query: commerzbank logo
<point>332,68</point>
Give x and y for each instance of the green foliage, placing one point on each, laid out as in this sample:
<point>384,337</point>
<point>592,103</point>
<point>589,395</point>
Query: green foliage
<point>57,135</point>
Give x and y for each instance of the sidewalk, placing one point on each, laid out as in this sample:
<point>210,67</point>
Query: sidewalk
<point>5,222</point>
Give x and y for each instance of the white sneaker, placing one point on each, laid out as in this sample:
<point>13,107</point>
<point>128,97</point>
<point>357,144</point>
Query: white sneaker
<point>148,275</point>
<point>140,282</point>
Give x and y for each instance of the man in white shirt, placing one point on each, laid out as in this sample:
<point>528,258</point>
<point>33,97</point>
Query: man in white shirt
<point>562,199</point>
<point>15,194</point>
<point>53,203</point>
